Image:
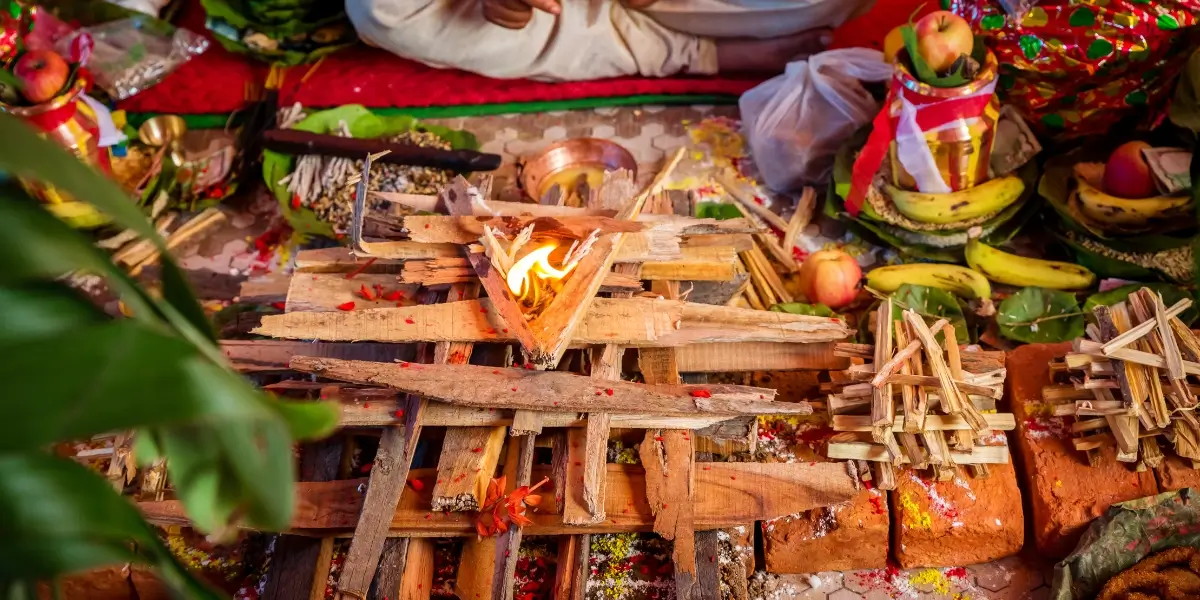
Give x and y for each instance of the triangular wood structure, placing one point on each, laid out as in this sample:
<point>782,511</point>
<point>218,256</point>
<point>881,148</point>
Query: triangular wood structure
<point>546,336</point>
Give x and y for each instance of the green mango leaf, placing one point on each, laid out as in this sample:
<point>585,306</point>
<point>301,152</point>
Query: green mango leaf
<point>62,518</point>
<point>799,308</point>
<point>238,438</point>
<point>717,210</point>
<point>1170,295</point>
<point>932,304</point>
<point>42,160</point>
<point>131,366</point>
<point>1038,315</point>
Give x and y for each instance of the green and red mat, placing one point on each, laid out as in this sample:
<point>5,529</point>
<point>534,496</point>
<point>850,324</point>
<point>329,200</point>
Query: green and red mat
<point>215,82</point>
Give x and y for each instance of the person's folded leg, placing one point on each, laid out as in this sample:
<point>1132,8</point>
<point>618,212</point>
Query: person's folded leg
<point>590,39</point>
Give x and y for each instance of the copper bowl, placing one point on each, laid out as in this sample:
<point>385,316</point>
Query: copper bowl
<point>540,169</point>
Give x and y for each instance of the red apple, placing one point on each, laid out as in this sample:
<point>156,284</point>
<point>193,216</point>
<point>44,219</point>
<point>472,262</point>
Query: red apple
<point>830,277</point>
<point>42,74</point>
<point>1126,174</point>
<point>942,37</point>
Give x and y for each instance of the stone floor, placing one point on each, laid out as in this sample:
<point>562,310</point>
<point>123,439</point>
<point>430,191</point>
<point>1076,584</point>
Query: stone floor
<point>648,132</point>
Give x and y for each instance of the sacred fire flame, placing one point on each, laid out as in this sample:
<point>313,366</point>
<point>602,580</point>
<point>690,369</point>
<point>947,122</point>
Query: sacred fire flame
<point>523,278</point>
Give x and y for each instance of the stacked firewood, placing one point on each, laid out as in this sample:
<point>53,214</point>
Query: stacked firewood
<point>926,375</point>
<point>1132,380</point>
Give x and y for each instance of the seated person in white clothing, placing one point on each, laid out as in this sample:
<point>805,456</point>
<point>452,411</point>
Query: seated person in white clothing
<point>572,40</point>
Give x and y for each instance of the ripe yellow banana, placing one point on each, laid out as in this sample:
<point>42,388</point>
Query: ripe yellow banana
<point>1002,267</point>
<point>1109,209</point>
<point>957,280</point>
<point>981,200</point>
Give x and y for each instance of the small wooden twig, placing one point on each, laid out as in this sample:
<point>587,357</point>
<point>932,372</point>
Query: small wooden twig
<point>1136,333</point>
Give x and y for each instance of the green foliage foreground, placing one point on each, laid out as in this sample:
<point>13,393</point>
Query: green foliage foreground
<point>71,371</point>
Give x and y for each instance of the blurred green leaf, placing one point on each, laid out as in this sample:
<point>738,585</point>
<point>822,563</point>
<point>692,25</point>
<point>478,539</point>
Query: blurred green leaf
<point>800,308</point>
<point>74,372</point>
<point>42,160</point>
<point>717,210</point>
<point>1038,315</point>
<point>1184,109</point>
<point>59,517</point>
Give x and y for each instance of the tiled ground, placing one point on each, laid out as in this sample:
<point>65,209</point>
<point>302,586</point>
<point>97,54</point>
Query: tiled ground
<point>648,132</point>
<point>1014,578</point>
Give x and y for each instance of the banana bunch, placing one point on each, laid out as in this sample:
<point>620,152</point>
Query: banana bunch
<point>960,281</point>
<point>982,200</point>
<point>1111,210</point>
<point>1002,267</point>
<point>957,280</point>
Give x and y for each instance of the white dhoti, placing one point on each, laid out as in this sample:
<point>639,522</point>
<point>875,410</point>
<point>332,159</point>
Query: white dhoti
<point>590,39</point>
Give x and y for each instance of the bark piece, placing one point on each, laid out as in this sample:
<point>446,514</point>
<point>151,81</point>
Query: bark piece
<point>469,385</point>
<point>727,495</point>
<point>467,463</point>
<point>669,459</point>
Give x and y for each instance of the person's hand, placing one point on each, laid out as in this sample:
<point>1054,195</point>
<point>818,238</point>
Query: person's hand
<point>516,14</point>
<point>636,4</point>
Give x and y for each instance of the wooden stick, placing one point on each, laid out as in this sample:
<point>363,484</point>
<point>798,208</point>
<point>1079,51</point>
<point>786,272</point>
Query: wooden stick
<point>739,194</point>
<point>392,463</point>
<point>883,407</point>
<point>1136,333</point>
<point>467,463</point>
<point>802,216</point>
<point>916,421</point>
<point>913,450</point>
<point>668,458</point>
<point>951,401</point>
<point>998,421</point>
<point>877,453</point>
<point>630,322</point>
<point>726,494</point>
<point>485,387</point>
<point>510,541</point>
<point>894,363</point>
<point>1170,347</point>
<point>996,392</point>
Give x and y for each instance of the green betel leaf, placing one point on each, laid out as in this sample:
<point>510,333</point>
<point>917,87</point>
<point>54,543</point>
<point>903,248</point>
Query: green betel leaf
<point>932,304</point>
<point>42,160</point>
<point>717,210</point>
<point>800,308</point>
<point>1170,295</point>
<point>61,518</point>
<point>1039,315</point>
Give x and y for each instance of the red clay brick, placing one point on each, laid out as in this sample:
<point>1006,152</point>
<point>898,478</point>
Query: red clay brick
<point>1064,492</point>
<point>963,521</point>
<point>1175,474</point>
<point>845,537</point>
<point>849,536</point>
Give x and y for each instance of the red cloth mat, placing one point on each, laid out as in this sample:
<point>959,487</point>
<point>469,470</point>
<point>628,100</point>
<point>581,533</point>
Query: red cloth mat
<point>216,81</point>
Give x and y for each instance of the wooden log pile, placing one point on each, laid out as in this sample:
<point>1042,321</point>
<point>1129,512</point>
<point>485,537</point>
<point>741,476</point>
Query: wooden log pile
<point>920,402</point>
<point>416,336</point>
<point>1132,382</point>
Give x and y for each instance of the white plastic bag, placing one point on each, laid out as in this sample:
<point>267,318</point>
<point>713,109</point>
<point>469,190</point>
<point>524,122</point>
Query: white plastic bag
<point>796,122</point>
